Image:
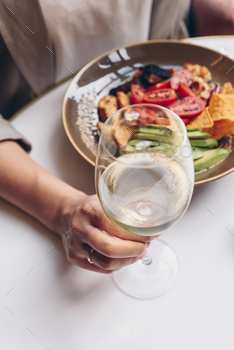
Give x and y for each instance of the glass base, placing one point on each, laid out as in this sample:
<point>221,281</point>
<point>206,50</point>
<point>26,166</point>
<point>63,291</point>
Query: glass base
<point>152,276</point>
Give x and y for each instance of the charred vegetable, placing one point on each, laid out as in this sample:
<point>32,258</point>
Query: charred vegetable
<point>154,74</point>
<point>124,88</point>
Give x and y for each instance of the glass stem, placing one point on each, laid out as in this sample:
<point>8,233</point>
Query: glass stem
<point>147,260</point>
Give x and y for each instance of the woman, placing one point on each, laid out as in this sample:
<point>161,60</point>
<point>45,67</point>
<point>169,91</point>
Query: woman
<point>42,42</point>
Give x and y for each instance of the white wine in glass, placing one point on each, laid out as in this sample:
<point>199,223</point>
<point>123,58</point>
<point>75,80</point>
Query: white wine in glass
<point>144,178</point>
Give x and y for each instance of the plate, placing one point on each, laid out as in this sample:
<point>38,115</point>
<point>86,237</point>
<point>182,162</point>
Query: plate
<point>97,78</point>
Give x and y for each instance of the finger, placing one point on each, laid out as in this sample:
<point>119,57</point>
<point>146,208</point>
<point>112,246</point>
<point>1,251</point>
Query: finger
<point>101,263</point>
<point>107,263</point>
<point>101,220</point>
<point>84,264</point>
<point>113,247</point>
<point>102,242</point>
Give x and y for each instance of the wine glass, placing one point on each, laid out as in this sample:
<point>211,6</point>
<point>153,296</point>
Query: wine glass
<point>144,178</point>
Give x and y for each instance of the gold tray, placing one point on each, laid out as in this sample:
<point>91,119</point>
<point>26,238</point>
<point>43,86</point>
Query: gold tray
<point>97,78</point>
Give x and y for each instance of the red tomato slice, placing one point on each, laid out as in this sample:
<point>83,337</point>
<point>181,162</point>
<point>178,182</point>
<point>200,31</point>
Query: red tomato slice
<point>186,120</point>
<point>162,97</point>
<point>185,91</point>
<point>188,106</point>
<point>162,121</point>
<point>182,76</point>
<point>137,92</point>
<point>146,115</point>
<point>163,85</point>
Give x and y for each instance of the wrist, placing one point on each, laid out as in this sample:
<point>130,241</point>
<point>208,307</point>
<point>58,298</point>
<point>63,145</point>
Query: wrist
<point>66,207</point>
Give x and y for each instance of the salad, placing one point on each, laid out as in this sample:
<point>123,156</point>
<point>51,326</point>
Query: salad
<point>207,112</point>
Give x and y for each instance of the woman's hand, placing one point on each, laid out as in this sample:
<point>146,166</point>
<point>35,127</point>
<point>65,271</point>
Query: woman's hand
<point>81,225</point>
<point>76,217</point>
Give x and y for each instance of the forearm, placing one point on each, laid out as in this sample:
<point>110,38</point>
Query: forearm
<point>30,187</point>
<point>213,17</point>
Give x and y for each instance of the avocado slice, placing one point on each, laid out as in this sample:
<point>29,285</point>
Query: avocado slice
<point>208,143</point>
<point>210,158</point>
<point>151,131</point>
<point>157,126</point>
<point>197,134</point>
<point>154,144</point>
<point>158,148</point>
<point>152,137</point>
<point>197,153</point>
<point>203,149</point>
<point>135,141</point>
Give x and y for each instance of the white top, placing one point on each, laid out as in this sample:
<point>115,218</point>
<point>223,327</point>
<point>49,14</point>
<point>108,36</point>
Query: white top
<point>83,29</point>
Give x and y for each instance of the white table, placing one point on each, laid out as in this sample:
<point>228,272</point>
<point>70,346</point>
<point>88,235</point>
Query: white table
<point>48,304</point>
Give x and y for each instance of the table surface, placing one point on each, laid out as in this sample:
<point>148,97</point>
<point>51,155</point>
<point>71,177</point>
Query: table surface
<point>46,303</point>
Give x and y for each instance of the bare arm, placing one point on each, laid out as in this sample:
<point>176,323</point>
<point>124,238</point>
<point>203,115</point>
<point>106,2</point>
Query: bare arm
<point>30,187</point>
<point>213,17</point>
<point>61,207</point>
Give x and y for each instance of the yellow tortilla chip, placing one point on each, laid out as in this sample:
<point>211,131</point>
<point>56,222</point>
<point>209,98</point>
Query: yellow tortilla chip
<point>227,98</point>
<point>221,107</point>
<point>220,128</point>
<point>203,120</point>
<point>227,89</point>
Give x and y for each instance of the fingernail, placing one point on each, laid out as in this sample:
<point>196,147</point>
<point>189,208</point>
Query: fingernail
<point>142,255</point>
<point>147,244</point>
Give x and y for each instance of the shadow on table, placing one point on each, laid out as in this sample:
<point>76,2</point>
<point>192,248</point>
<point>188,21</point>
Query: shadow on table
<point>33,225</point>
<point>207,190</point>
<point>74,169</point>
<point>75,284</point>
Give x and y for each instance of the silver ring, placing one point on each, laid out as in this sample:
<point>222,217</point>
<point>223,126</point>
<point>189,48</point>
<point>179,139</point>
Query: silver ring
<point>90,255</point>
